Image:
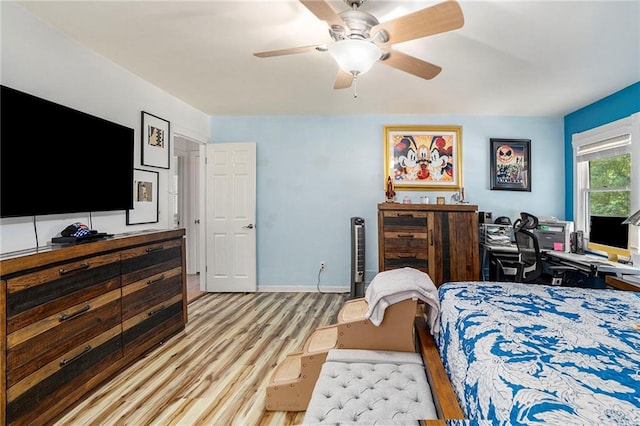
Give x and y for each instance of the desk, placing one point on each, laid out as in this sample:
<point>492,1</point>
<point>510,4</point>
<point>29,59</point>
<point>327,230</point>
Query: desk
<point>621,284</point>
<point>593,265</point>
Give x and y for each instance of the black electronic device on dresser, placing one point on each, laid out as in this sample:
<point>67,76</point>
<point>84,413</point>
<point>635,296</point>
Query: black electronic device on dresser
<point>55,159</point>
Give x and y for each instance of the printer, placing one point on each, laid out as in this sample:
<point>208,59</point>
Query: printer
<point>554,234</point>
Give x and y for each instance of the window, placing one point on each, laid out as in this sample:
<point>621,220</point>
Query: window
<point>604,187</point>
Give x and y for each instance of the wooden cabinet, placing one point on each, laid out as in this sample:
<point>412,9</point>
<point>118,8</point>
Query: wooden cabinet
<point>73,316</point>
<point>441,240</point>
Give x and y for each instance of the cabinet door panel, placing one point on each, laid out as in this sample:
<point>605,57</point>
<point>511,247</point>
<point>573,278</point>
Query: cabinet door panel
<point>464,249</point>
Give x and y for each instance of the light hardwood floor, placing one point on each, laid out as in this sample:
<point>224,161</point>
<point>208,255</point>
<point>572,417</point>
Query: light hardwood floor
<point>216,371</point>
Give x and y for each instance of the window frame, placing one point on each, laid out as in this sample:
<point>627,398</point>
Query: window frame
<point>629,125</point>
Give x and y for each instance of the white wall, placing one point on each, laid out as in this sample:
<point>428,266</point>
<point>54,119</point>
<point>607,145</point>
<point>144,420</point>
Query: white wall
<point>41,61</point>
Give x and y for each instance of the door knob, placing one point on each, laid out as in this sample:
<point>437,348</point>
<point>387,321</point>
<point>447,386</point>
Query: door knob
<point>249,226</point>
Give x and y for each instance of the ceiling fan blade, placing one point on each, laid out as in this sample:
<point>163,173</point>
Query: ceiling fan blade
<point>343,80</point>
<point>323,11</point>
<point>435,19</point>
<point>289,51</point>
<point>412,65</point>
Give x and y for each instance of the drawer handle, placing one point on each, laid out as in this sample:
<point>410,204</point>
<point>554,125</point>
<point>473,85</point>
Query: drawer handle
<point>160,278</point>
<point>405,235</point>
<point>405,214</point>
<point>152,249</point>
<point>407,256</point>
<point>157,310</point>
<point>81,311</point>
<point>75,357</point>
<point>85,265</point>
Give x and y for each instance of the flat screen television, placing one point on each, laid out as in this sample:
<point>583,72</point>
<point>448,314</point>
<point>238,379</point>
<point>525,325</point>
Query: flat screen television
<point>54,159</point>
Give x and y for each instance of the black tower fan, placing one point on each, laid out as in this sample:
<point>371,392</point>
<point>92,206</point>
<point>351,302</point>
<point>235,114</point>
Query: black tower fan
<point>357,257</point>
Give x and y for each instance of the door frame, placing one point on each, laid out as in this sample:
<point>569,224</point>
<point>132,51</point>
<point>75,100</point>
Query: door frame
<point>195,197</point>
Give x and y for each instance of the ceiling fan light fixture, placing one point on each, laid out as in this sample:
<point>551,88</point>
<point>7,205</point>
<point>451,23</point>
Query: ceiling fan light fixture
<point>355,56</point>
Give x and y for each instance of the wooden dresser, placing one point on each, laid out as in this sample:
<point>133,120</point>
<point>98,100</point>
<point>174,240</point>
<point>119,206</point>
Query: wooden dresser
<point>441,240</point>
<point>74,316</point>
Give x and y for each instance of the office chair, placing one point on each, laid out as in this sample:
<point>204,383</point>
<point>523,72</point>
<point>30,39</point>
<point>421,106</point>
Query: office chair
<point>528,266</point>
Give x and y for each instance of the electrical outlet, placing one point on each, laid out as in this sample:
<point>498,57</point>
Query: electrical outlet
<point>323,265</point>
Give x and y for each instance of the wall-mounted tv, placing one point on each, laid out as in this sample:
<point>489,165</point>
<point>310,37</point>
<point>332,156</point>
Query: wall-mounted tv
<point>54,159</point>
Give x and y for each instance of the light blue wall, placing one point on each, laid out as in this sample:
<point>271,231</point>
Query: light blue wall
<point>614,107</point>
<point>316,172</point>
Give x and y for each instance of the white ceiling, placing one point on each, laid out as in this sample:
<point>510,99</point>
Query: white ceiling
<point>510,58</point>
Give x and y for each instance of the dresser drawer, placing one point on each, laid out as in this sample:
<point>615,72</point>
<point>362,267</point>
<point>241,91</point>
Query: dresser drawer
<point>36,345</point>
<point>141,262</point>
<point>152,325</point>
<point>417,260</point>
<point>63,375</point>
<point>416,240</point>
<point>152,295</point>
<point>54,288</point>
<point>401,220</point>
<point>46,355</point>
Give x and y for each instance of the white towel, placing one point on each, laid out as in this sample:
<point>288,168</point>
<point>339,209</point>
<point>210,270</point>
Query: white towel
<point>396,285</point>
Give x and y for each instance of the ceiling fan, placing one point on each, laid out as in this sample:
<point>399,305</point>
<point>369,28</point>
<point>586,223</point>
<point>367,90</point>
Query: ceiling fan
<point>359,40</point>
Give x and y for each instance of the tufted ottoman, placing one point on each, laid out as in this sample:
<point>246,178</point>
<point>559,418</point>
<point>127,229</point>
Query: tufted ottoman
<point>370,387</point>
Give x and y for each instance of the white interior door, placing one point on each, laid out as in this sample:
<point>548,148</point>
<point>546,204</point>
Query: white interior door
<point>230,217</point>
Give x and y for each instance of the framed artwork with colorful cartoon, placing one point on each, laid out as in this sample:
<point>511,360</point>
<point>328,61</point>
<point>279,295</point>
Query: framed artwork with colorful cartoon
<point>423,158</point>
<point>510,164</point>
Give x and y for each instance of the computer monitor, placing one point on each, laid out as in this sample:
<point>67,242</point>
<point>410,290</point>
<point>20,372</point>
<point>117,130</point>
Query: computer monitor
<point>609,234</point>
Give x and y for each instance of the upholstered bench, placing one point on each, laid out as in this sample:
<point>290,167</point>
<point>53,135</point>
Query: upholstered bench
<point>371,387</point>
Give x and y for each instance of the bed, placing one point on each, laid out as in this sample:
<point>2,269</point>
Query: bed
<point>527,354</point>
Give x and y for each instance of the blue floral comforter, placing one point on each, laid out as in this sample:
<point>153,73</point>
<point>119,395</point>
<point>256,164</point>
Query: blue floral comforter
<point>527,354</point>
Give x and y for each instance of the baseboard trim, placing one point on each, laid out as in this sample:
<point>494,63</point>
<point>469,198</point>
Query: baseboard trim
<point>303,289</point>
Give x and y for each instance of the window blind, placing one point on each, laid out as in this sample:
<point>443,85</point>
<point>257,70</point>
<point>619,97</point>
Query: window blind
<point>611,147</point>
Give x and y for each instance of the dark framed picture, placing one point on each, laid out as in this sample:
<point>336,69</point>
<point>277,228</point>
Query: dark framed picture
<point>145,198</point>
<point>156,140</point>
<point>510,164</point>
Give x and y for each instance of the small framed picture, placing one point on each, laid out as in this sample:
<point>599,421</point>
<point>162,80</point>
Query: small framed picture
<point>156,140</point>
<point>145,198</point>
<point>510,164</point>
